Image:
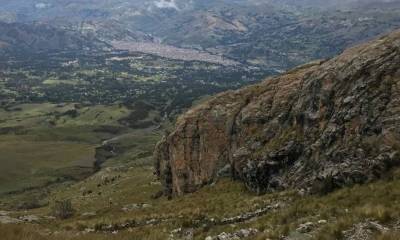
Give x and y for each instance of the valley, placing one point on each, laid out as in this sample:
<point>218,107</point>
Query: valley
<point>173,52</point>
<point>111,77</point>
<point>66,115</point>
<point>121,198</point>
<point>199,120</point>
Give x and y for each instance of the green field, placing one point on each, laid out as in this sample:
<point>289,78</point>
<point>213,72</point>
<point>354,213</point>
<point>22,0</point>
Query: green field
<point>42,144</point>
<point>48,115</point>
<point>28,163</point>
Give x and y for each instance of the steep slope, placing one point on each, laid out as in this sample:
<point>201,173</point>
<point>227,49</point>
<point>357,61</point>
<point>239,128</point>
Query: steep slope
<point>320,126</point>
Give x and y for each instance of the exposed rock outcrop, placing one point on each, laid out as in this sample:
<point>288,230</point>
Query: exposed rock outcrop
<point>320,126</point>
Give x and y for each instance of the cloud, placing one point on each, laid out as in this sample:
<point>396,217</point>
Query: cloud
<point>166,4</point>
<point>41,5</point>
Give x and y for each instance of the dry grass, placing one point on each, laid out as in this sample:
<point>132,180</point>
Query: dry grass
<point>18,232</point>
<point>389,236</point>
<point>342,209</point>
<point>379,201</point>
<point>134,183</point>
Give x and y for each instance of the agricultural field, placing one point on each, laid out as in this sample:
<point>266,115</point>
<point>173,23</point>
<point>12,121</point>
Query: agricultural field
<point>116,77</point>
<point>66,115</point>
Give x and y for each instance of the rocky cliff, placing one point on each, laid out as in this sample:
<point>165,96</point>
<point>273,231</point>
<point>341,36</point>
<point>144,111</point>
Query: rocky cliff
<point>318,127</point>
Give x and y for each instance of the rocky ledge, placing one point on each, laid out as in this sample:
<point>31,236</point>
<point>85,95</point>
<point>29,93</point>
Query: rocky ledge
<point>318,127</point>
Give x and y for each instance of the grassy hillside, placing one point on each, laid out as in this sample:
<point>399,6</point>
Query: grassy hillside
<point>118,201</point>
<point>123,209</point>
<point>54,148</point>
<point>47,152</point>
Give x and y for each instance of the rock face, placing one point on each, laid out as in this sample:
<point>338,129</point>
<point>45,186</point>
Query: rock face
<point>318,127</point>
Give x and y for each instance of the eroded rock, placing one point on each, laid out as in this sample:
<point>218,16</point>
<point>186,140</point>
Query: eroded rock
<point>4,213</point>
<point>240,234</point>
<point>318,127</point>
<point>364,231</point>
<point>30,218</point>
<point>8,220</point>
<point>135,206</point>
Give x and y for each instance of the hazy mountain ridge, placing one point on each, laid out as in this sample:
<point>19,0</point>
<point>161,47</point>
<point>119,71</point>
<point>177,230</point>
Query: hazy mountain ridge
<point>274,34</point>
<point>18,37</point>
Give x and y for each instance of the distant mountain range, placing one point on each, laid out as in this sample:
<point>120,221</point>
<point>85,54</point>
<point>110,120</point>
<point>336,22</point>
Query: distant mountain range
<point>273,34</point>
<point>25,38</point>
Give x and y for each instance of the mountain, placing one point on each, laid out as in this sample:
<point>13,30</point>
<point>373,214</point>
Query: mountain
<point>275,35</point>
<point>318,127</point>
<point>23,38</point>
<point>333,4</point>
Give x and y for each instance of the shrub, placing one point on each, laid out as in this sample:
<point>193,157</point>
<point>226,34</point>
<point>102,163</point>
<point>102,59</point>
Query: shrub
<point>63,209</point>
